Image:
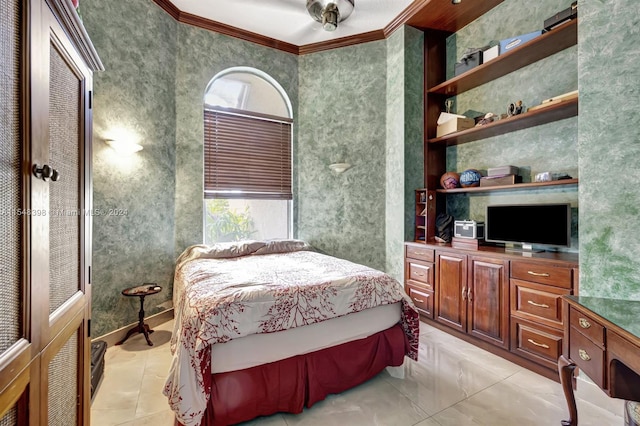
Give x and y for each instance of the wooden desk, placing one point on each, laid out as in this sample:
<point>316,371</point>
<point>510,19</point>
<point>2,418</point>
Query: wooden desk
<point>602,338</point>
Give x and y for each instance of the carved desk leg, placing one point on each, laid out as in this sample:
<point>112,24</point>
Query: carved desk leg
<point>566,368</point>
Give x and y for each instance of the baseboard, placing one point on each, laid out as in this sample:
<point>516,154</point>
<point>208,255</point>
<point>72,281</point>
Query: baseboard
<point>154,320</point>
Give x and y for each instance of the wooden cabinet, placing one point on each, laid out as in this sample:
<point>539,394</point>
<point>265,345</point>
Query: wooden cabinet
<point>451,289</point>
<point>420,277</point>
<point>472,296</point>
<point>494,299</point>
<point>488,300</point>
<point>46,191</point>
<point>536,309</point>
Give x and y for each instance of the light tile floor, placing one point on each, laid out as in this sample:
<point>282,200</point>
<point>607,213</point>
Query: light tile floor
<point>453,384</point>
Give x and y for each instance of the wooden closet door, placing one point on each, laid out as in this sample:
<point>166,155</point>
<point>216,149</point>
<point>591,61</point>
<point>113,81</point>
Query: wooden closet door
<point>65,294</point>
<point>61,304</point>
<point>16,348</point>
<point>45,120</point>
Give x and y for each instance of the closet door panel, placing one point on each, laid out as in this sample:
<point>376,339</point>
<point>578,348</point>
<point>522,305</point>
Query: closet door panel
<point>11,193</point>
<point>16,352</point>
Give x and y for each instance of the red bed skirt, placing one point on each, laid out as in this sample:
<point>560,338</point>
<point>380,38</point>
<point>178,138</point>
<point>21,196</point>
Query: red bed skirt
<point>293,383</point>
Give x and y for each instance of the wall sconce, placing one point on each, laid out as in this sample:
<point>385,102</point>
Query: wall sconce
<point>123,147</point>
<point>340,167</point>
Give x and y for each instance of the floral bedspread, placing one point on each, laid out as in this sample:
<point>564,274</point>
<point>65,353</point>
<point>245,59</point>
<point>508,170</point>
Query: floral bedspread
<point>219,299</point>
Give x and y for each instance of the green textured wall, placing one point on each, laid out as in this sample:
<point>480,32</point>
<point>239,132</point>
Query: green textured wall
<point>609,145</point>
<point>342,119</point>
<point>404,141</point>
<point>551,147</point>
<point>136,95</point>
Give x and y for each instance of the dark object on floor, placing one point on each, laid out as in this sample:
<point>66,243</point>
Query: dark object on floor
<point>98,350</point>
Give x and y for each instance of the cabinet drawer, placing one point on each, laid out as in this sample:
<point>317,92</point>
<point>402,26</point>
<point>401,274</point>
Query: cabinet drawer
<point>587,356</point>
<point>541,273</point>
<point>587,326</point>
<point>537,302</point>
<point>423,299</point>
<point>420,253</point>
<point>537,343</point>
<point>422,273</point>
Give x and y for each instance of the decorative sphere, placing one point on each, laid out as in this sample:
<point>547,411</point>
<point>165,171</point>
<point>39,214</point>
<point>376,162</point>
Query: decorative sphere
<point>469,178</point>
<point>450,180</point>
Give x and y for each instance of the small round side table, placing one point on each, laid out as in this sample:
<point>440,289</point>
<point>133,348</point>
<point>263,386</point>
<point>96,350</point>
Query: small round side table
<point>140,291</point>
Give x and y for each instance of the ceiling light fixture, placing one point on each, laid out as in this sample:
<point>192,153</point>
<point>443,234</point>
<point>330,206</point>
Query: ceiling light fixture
<point>456,1</point>
<point>330,12</point>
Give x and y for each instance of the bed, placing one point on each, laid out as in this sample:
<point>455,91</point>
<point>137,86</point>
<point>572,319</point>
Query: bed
<point>273,326</point>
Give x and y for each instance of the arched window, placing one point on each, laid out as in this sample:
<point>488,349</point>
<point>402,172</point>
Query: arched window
<point>247,157</point>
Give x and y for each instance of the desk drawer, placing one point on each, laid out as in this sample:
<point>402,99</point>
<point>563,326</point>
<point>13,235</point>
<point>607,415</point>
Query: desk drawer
<point>587,356</point>
<point>537,302</point>
<point>587,326</point>
<point>420,253</point>
<point>422,273</point>
<point>542,273</point>
<point>423,299</point>
<point>540,344</point>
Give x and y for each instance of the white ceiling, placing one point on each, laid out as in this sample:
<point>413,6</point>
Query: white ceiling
<point>289,21</point>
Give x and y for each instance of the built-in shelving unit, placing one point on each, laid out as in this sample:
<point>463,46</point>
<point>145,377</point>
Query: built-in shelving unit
<point>439,88</point>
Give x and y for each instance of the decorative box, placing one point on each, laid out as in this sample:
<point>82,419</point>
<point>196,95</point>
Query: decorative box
<point>469,60</point>
<point>562,17</point>
<point>468,229</point>
<point>511,43</point>
<point>455,124</point>
<point>499,180</point>
<point>466,243</point>
<point>502,170</point>
<point>490,53</point>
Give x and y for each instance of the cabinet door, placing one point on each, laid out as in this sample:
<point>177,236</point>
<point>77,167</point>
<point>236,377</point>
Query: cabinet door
<point>488,300</point>
<point>451,289</point>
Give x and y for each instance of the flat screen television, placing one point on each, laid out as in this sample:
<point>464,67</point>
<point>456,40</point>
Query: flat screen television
<point>547,225</point>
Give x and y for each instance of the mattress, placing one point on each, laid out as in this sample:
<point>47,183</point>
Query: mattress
<point>257,349</point>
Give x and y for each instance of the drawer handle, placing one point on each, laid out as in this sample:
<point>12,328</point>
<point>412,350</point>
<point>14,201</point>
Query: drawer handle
<point>420,274</point>
<point>420,253</point>
<point>584,355</point>
<point>418,300</point>
<point>542,345</point>
<point>584,323</point>
<point>538,274</point>
<point>539,305</point>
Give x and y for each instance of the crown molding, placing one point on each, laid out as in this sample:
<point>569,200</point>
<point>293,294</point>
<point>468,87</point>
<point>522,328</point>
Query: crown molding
<point>341,42</point>
<point>218,27</point>
<point>169,7</point>
<point>423,14</point>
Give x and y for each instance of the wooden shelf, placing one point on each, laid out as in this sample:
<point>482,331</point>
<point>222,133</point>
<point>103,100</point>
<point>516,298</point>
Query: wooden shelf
<point>444,16</point>
<point>515,187</point>
<point>539,48</point>
<point>534,118</point>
